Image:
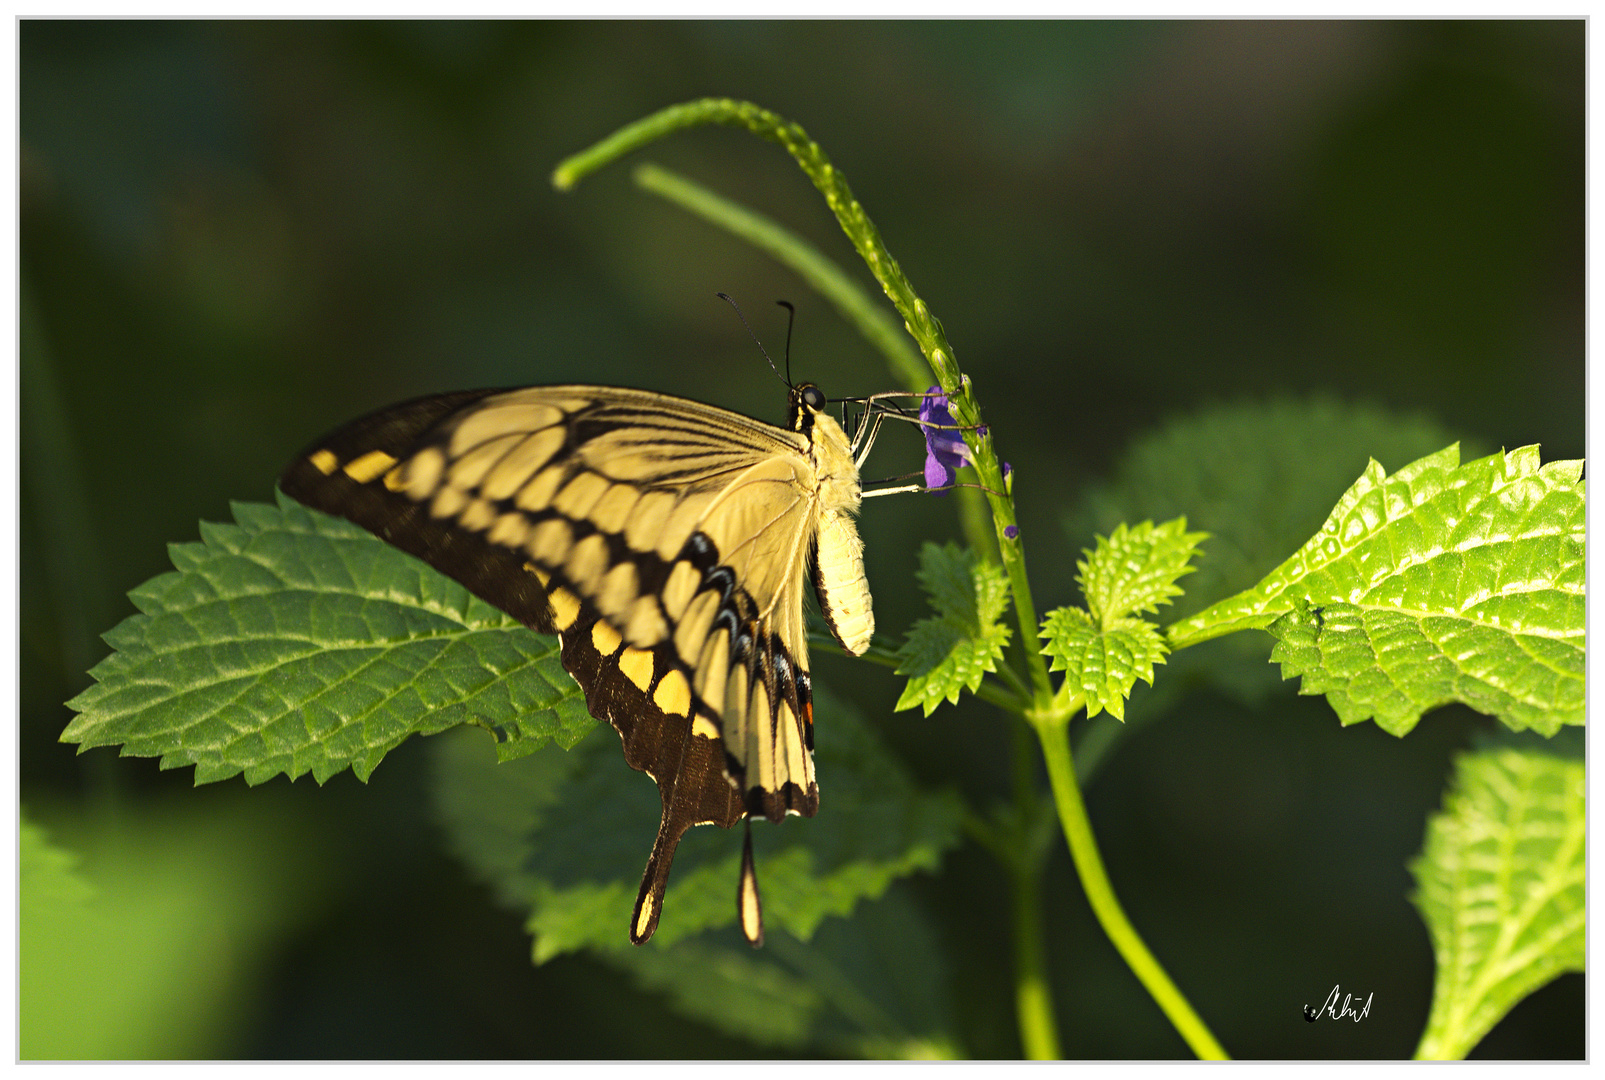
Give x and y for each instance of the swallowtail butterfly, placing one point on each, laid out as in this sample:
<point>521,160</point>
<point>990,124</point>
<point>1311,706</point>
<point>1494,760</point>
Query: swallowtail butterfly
<point>665,542</point>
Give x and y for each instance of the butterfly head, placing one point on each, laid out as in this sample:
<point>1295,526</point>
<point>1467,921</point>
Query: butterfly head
<point>807,402</point>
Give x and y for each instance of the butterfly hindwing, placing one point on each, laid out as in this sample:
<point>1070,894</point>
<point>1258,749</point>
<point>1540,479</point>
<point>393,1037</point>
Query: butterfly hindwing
<point>665,541</point>
<point>644,694</point>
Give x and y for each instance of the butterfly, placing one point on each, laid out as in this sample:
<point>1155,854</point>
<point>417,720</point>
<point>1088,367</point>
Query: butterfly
<point>665,542</point>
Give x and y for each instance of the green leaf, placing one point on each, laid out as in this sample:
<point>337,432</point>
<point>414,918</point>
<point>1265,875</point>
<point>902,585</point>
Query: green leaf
<point>872,985</point>
<point>734,989</point>
<point>950,652</point>
<point>295,642</point>
<point>565,836</point>
<point>1135,569</point>
<point>1443,582</point>
<point>1102,664</point>
<point>1259,478</point>
<point>1105,650</point>
<point>1500,883</point>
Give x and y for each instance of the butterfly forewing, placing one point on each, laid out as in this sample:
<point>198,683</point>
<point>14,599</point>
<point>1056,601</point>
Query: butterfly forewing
<point>664,540</point>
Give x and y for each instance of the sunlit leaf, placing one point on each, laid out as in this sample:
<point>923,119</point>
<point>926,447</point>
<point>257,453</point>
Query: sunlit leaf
<point>1136,568</point>
<point>294,642</point>
<point>1443,582</point>
<point>1102,664</point>
<point>1104,649</point>
<point>1500,884</point>
<point>1259,478</point>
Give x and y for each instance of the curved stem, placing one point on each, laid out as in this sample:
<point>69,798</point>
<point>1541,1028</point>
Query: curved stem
<point>826,277</point>
<point>1048,713</point>
<point>823,274</point>
<point>920,323</point>
<point>1053,736</point>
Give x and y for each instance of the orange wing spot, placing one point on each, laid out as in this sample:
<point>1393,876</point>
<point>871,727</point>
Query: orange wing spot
<point>808,713</point>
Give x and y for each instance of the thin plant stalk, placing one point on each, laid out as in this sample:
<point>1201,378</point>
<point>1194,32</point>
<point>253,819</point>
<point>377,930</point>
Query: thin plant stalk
<point>1047,712</point>
<point>1101,895</point>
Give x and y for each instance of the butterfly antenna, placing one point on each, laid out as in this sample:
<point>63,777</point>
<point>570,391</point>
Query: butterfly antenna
<point>726,298</point>
<point>791,318</point>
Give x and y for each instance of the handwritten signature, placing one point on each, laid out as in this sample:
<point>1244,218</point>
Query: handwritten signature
<point>1338,1012</point>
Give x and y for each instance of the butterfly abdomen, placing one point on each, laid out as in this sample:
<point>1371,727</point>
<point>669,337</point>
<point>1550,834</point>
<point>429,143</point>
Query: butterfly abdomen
<point>839,581</point>
<point>838,551</point>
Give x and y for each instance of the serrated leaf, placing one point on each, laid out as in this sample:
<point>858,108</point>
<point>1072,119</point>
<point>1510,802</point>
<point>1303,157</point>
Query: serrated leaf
<point>970,592</point>
<point>1500,884</point>
<point>951,652</point>
<point>739,991</point>
<point>942,661</point>
<point>1136,568</point>
<point>1443,582</point>
<point>1102,664</point>
<point>564,837</point>
<point>1259,478</point>
<point>1393,667</point>
<point>294,642</point>
<point>872,985</point>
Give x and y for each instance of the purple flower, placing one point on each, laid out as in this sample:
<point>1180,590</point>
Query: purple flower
<point>944,448</point>
<point>1010,532</point>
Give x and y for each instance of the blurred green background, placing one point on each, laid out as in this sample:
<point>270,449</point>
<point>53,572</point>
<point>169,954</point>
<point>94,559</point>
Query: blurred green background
<point>235,236</point>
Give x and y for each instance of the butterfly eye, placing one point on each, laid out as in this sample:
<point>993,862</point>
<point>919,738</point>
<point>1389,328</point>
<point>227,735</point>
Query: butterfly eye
<point>813,397</point>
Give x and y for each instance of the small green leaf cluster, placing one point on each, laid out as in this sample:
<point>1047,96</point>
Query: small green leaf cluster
<point>951,651</point>
<point>1105,648</point>
<point>1259,477</point>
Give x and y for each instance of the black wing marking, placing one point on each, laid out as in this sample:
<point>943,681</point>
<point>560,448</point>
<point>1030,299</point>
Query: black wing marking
<point>351,474</point>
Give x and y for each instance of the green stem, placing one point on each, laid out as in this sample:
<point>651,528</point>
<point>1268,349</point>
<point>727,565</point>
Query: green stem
<point>826,277</point>
<point>1033,996</point>
<point>925,328</point>
<point>1052,734</point>
<point>1048,713</point>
